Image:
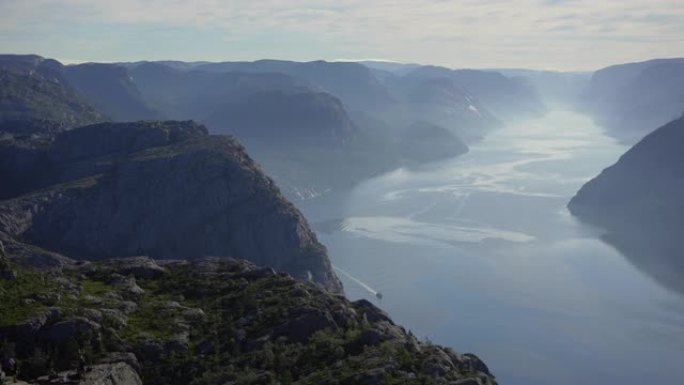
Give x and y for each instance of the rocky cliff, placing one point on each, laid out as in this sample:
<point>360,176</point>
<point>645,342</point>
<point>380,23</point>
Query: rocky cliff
<point>208,321</point>
<point>163,189</point>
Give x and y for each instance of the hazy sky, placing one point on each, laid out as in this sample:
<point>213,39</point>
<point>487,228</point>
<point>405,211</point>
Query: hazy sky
<point>550,34</point>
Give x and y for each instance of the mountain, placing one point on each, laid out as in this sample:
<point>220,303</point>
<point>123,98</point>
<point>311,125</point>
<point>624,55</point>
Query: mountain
<point>353,83</point>
<point>163,189</point>
<point>34,88</point>
<point>425,142</point>
<point>306,137</point>
<point>109,88</point>
<point>440,101</point>
<point>555,88</point>
<point>638,201</point>
<point>210,321</point>
<point>633,99</point>
<point>197,94</point>
<point>507,98</point>
<point>278,118</point>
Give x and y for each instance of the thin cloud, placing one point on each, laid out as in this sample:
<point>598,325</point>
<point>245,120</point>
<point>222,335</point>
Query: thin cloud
<point>577,34</point>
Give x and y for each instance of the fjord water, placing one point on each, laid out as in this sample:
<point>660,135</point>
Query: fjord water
<point>480,253</point>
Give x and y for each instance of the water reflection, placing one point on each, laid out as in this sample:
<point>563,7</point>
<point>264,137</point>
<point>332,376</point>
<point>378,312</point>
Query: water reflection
<point>659,256</point>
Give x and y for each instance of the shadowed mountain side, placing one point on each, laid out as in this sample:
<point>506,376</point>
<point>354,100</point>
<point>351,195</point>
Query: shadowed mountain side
<point>199,94</point>
<point>163,189</point>
<point>634,99</point>
<point>639,200</point>
<point>507,98</point>
<point>286,118</point>
<point>353,83</point>
<point>108,88</point>
<point>439,101</point>
<point>34,90</point>
<point>555,88</point>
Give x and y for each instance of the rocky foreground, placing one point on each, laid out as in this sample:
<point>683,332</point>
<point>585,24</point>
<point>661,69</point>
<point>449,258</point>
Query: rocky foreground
<point>207,321</point>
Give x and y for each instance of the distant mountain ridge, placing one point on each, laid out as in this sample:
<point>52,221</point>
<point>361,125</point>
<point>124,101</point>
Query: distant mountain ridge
<point>35,88</point>
<point>634,99</point>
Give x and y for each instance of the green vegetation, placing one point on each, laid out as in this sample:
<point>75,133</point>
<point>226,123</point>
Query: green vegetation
<point>220,321</point>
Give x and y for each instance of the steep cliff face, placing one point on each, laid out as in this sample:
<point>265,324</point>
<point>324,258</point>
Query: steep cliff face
<point>163,189</point>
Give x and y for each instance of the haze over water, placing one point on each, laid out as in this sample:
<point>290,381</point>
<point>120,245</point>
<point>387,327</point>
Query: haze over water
<point>480,253</point>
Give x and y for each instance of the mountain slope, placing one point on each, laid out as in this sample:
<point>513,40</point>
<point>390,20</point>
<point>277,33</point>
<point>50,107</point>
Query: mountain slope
<point>163,189</point>
<point>109,88</point>
<point>639,202</point>
<point>34,88</point>
<point>507,98</point>
<point>634,99</point>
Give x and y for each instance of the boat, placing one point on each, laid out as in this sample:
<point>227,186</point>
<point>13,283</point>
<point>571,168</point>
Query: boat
<point>378,295</point>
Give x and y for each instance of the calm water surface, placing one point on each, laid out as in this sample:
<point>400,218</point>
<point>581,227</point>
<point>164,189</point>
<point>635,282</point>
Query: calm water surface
<point>479,253</point>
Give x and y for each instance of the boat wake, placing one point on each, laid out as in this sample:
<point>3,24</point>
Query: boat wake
<point>359,282</point>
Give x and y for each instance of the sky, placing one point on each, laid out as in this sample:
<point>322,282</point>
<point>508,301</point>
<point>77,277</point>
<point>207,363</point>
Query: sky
<point>537,34</point>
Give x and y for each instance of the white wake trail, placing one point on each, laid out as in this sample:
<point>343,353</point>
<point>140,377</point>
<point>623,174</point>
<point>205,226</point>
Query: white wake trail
<point>361,283</point>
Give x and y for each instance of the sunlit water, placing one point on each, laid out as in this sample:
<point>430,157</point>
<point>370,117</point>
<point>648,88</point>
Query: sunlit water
<point>479,253</point>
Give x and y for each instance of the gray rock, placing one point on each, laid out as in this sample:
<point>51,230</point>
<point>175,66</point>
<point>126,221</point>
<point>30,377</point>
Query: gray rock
<point>193,314</point>
<point>127,285</point>
<point>111,374</point>
<point>28,329</point>
<point>126,357</point>
<point>72,329</point>
<point>371,312</point>
<point>138,267</point>
<point>474,363</point>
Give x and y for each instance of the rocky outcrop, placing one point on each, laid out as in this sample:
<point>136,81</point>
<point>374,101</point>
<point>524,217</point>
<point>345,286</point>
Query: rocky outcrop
<point>208,321</point>
<point>161,189</point>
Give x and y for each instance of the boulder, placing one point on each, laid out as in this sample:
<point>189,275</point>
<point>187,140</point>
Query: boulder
<point>119,373</point>
<point>72,329</point>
